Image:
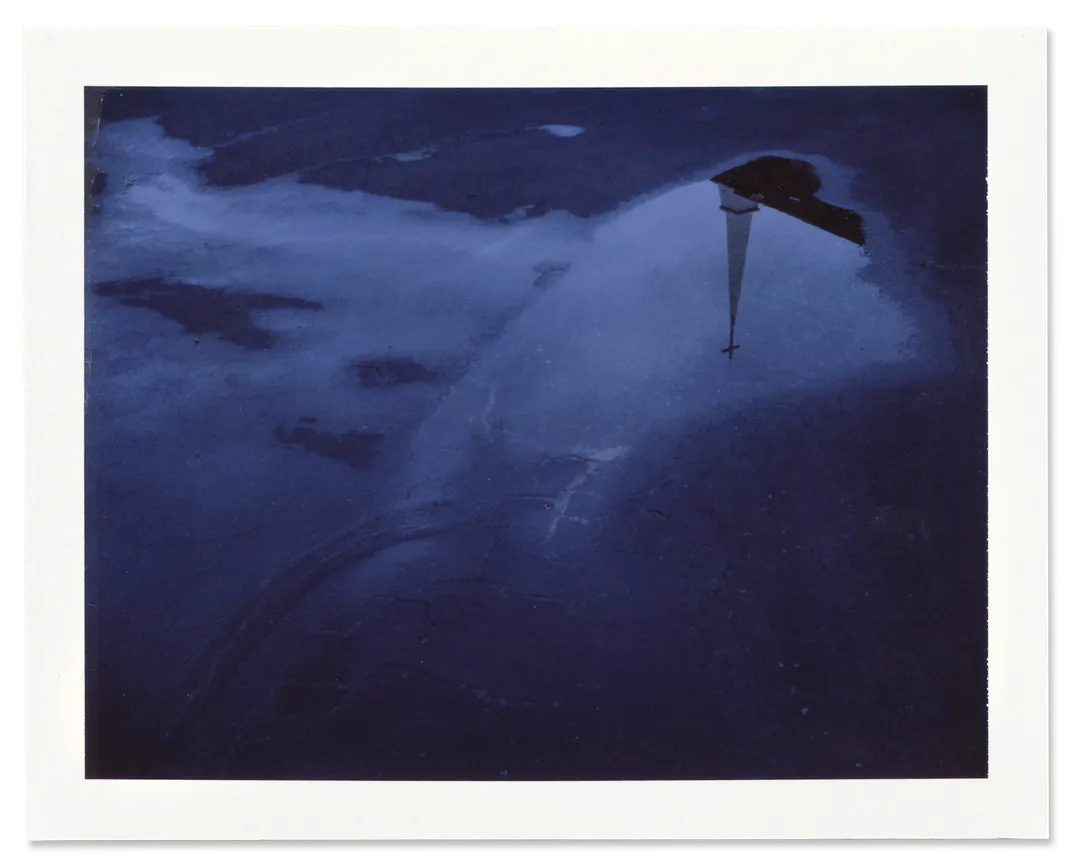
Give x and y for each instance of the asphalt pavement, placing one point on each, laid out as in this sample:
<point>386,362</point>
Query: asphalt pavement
<point>400,466</point>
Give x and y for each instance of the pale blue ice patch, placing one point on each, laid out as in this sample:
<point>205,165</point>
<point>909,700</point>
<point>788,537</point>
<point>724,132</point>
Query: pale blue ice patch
<point>561,130</point>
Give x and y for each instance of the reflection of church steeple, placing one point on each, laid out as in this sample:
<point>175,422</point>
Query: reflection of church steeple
<point>738,225</point>
<point>788,185</point>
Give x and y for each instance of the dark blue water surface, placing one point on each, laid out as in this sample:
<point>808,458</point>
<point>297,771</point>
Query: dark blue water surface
<point>411,452</point>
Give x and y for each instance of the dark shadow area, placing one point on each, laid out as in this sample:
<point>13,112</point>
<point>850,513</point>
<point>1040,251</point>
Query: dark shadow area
<point>352,448</point>
<point>856,541</point>
<point>844,642</point>
<point>205,310</point>
<point>490,159</point>
<point>790,186</point>
<point>388,371</point>
<point>99,185</point>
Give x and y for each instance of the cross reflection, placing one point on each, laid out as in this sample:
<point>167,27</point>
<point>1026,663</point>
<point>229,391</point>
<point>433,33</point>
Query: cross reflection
<point>789,185</point>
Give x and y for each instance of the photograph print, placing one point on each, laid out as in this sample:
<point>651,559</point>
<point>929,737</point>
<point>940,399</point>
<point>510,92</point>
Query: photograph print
<point>536,434</point>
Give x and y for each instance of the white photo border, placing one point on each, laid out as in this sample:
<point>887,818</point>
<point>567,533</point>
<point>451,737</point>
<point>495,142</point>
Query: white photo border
<point>1010,62</point>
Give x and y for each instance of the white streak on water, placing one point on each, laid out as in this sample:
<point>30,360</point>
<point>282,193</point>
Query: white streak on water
<point>561,130</point>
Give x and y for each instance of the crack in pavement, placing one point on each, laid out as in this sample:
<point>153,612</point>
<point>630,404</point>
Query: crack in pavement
<point>595,460</point>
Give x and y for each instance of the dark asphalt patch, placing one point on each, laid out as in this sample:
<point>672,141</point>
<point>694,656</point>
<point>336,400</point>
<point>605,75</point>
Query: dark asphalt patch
<point>353,448</point>
<point>390,371</point>
<point>205,310</point>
